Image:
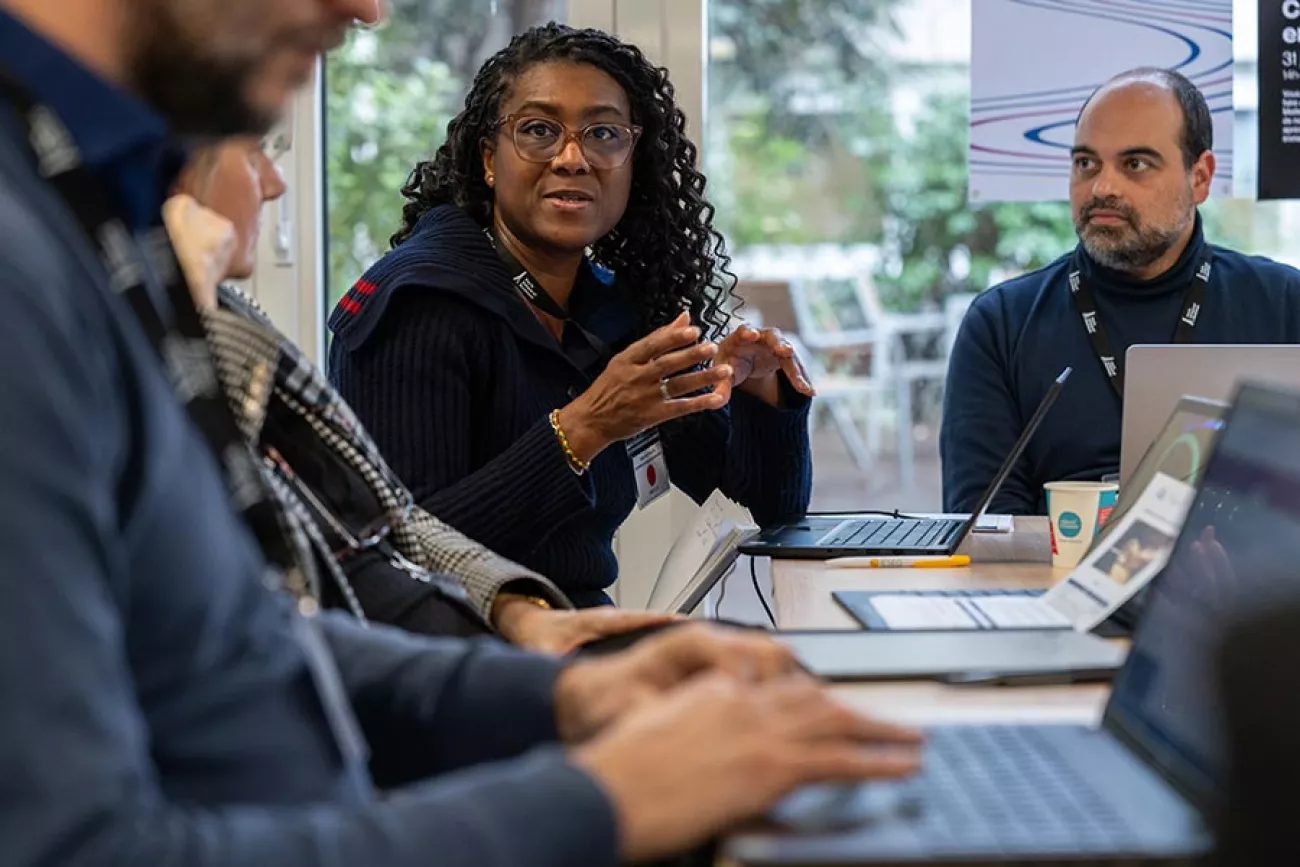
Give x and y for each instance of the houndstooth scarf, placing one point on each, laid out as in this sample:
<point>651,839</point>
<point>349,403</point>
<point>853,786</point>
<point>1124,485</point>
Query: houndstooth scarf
<point>257,365</point>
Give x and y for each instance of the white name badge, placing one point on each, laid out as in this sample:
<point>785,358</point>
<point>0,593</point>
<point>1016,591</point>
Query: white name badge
<point>647,453</point>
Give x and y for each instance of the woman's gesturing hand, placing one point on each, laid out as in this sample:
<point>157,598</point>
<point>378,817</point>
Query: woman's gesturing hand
<point>643,386</point>
<point>757,358</point>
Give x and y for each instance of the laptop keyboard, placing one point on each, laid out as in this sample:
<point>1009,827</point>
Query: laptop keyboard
<point>1011,786</point>
<point>887,533</point>
<point>983,789</point>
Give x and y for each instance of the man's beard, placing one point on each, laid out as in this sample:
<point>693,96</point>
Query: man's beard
<point>1132,247</point>
<point>197,93</point>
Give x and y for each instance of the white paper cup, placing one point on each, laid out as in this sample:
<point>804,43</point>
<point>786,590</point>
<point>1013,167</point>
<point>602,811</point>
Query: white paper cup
<point>1077,510</point>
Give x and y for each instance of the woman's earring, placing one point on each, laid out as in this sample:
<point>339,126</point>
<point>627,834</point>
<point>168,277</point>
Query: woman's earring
<point>489,177</point>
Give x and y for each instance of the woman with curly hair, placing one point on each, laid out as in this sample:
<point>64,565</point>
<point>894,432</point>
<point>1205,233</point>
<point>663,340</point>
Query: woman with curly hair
<point>557,289</point>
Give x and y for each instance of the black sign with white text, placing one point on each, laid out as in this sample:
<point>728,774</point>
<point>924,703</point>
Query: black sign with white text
<point>1278,172</point>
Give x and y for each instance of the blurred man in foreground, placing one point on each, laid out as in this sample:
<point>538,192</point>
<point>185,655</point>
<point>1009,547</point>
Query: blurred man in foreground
<point>165,703</point>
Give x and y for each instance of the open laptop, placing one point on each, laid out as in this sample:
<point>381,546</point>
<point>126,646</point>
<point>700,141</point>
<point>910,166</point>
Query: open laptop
<point>1157,375</point>
<point>1180,451</point>
<point>821,537</point>
<point>1143,785</point>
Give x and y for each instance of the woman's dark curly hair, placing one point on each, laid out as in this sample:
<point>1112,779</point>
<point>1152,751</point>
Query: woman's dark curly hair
<point>665,246</point>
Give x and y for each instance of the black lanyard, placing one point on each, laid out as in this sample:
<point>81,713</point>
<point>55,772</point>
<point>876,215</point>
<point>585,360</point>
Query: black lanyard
<point>533,293</point>
<point>1086,305</point>
<point>181,343</point>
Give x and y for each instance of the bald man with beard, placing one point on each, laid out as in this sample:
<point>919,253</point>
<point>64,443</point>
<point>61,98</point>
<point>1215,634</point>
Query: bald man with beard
<point>1142,272</point>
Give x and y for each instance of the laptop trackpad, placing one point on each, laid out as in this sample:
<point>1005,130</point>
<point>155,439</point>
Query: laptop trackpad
<point>836,806</point>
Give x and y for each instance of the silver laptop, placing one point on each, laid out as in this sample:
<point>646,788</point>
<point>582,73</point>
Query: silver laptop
<point>1157,375</point>
<point>1141,787</point>
<point>1043,656</point>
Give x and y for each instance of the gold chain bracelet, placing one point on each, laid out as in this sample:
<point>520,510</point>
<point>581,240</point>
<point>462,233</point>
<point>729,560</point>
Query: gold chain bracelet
<point>577,465</point>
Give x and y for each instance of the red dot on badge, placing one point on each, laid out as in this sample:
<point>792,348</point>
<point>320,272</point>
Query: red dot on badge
<point>650,474</point>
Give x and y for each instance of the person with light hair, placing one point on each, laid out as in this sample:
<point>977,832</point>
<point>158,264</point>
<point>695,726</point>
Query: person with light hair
<point>373,550</point>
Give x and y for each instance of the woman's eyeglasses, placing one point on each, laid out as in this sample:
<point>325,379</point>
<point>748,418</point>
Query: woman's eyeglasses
<point>542,139</point>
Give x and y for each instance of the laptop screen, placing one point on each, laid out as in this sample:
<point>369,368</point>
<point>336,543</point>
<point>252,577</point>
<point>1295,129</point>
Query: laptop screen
<point>1238,549</point>
<point>1182,447</point>
<point>1180,451</point>
<point>1009,462</point>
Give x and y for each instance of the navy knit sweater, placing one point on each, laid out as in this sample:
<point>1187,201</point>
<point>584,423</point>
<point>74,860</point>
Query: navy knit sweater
<point>455,378</point>
<point>1018,336</point>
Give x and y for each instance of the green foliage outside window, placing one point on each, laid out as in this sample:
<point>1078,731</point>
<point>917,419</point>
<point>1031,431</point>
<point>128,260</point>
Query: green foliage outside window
<point>379,123</point>
<point>932,227</point>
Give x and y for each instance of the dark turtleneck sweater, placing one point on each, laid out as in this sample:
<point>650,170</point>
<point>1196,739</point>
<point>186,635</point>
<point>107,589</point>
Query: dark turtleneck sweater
<point>1018,336</point>
<point>454,377</point>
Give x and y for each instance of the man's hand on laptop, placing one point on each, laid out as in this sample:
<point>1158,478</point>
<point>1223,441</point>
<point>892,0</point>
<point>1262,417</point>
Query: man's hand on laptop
<point>592,693</point>
<point>718,751</point>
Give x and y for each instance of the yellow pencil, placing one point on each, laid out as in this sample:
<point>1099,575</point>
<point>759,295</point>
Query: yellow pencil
<point>954,561</point>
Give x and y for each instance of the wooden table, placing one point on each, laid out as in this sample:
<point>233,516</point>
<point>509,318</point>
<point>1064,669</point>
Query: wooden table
<point>801,591</point>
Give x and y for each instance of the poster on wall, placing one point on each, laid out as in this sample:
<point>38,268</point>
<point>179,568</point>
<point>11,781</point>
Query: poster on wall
<point>1035,62</point>
<point>1278,172</point>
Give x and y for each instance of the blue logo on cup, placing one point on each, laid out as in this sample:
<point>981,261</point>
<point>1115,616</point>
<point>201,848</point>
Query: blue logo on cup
<point>1069,524</point>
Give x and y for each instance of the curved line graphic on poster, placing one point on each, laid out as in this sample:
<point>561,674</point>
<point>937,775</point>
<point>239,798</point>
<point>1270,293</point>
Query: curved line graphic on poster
<point>1028,133</point>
